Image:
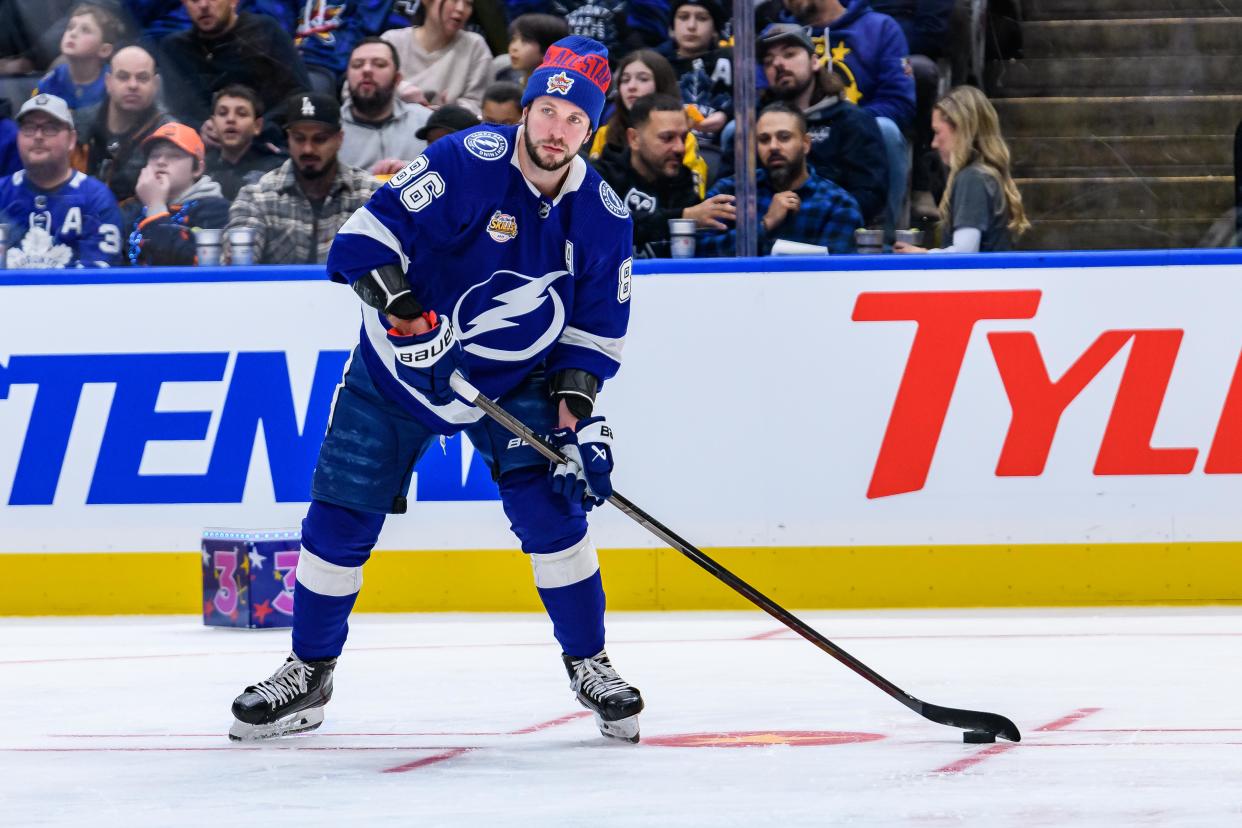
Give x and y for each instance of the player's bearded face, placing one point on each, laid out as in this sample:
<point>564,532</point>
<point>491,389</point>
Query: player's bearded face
<point>554,135</point>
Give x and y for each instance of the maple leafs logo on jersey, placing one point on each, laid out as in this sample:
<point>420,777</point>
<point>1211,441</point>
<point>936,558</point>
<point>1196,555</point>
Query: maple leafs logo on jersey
<point>560,83</point>
<point>39,250</point>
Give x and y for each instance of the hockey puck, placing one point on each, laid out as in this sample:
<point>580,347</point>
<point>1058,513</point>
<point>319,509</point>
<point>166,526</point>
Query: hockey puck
<point>978,737</point>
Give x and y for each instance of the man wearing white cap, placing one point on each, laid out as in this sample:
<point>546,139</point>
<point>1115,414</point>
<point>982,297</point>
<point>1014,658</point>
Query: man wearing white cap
<point>57,216</point>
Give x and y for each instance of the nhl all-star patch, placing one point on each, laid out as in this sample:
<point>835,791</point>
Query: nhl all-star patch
<point>502,227</point>
<point>560,83</point>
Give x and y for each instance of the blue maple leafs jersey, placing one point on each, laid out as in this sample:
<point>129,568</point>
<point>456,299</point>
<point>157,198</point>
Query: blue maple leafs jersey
<point>75,225</point>
<point>525,279</point>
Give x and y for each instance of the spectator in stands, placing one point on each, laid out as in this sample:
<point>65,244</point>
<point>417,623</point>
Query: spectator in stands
<point>982,207</point>
<point>704,72</point>
<point>224,48</point>
<point>445,121</point>
<point>621,25</point>
<point>91,35</point>
<point>10,159</point>
<point>928,27</point>
<point>56,215</point>
<point>326,35</point>
<point>173,197</point>
<point>296,209</point>
<point>794,203</point>
<point>640,73</point>
<point>869,51</point>
<point>442,63</point>
<point>653,182</point>
<point>530,35</point>
<point>30,34</point>
<point>111,148</point>
<point>846,147</point>
<point>239,158</point>
<point>502,103</point>
<point>380,128</point>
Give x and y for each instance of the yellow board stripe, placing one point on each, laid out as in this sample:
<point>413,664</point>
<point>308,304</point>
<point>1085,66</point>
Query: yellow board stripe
<point>661,579</point>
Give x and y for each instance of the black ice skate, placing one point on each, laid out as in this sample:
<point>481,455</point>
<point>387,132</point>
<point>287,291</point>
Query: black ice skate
<point>614,702</point>
<point>291,701</point>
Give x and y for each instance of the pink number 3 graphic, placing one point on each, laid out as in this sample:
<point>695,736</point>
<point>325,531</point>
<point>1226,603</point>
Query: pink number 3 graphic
<point>226,594</point>
<point>283,603</point>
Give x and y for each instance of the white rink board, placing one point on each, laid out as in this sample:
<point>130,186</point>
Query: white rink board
<point>750,411</point>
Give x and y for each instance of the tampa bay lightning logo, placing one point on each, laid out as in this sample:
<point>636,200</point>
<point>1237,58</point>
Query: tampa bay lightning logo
<point>510,317</point>
<point>612,201</point>
<point>486,145</point>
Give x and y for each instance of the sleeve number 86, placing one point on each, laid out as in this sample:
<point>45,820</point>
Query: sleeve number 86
<point>417,190</point>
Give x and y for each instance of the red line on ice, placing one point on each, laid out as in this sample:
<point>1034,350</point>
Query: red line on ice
<point>428,760</point>
<point>453,753</point>
<point>1066,721</point>
<point>550,723</point>
<point>970,761</point>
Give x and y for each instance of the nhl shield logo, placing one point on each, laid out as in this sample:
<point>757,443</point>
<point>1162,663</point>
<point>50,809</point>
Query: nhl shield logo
<point>502,227</point>
<point>560,83</point>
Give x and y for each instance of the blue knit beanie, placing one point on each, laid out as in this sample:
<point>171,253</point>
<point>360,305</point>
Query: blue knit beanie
<point>574,68</point>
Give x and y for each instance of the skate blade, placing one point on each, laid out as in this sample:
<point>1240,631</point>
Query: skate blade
<point>624,729</point>
<point>303,721</point>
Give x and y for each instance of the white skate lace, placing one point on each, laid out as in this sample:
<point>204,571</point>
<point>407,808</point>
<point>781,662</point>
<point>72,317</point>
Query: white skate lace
<point>597,678</point>
<point>285,683</point>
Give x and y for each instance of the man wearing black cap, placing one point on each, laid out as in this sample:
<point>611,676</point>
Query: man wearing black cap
<point>445,121</point>
<point>296,209</point>
<point>704,72</point>
<point>846,145</point>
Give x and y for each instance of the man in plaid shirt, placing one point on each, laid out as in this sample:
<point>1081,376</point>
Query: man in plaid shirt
<point>795,204</point>
<point>296,209</point>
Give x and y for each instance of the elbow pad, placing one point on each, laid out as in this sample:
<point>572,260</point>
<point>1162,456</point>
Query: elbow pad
<point>387,289</point>
<point>577,388</point>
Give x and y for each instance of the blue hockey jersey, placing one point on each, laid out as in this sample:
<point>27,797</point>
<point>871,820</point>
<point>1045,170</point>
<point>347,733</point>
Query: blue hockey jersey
<point>75,225</point>
<point>525,279</point>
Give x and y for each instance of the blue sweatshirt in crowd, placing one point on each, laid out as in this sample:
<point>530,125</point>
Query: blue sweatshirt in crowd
<point>869,52</point>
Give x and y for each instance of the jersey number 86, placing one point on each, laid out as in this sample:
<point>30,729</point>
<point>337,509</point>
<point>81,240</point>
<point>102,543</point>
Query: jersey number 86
<point>417,190</point>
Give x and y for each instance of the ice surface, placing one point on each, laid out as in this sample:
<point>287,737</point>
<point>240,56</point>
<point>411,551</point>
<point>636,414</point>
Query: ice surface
<point>1129,718</point>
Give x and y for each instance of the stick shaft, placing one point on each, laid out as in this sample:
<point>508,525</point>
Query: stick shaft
<point>519,429</point>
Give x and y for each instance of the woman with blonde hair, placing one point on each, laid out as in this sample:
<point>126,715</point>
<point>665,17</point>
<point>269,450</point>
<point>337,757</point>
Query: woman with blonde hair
<point>981,206</point>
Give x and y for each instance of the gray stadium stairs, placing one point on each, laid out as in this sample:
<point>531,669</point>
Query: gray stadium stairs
<point>1121,117</point>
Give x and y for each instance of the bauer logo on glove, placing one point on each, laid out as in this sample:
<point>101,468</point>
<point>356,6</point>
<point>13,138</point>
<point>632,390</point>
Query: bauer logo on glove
<point>586,475</point>
<point>426,361</point>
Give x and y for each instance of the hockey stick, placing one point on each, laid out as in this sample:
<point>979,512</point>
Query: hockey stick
<point>969,720</point>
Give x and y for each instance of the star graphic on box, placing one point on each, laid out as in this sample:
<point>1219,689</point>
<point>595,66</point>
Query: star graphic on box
<point>262,611</point>
<point>256,560</point>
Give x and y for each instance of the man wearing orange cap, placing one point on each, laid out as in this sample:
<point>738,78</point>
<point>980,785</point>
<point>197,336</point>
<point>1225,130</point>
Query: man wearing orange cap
<point>171,199</point>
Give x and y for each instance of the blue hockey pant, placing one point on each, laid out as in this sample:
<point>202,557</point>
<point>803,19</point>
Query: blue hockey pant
<point>363,474</point>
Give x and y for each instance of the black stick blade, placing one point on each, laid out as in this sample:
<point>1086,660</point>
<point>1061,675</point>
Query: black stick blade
<point>993,723</point>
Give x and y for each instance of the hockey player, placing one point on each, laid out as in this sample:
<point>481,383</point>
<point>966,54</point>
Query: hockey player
<point>57,216</point>
<point>501,254</point>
